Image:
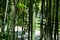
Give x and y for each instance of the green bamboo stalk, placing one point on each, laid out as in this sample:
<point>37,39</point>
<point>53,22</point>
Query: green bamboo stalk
<point>53,5</point>
<point>30,29</point>
<point>50,33</point>
<point>56,20</point>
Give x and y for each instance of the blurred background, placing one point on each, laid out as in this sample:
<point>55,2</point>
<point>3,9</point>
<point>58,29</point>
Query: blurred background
<point>29,19</point>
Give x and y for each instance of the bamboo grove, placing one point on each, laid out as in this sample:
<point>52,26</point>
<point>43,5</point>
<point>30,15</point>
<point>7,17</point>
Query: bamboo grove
<point>29,15</point>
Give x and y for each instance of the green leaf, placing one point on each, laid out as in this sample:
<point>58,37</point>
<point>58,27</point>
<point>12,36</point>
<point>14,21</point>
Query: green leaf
<point>21,5</point>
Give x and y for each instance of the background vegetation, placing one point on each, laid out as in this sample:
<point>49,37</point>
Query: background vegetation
<point>30,15</point>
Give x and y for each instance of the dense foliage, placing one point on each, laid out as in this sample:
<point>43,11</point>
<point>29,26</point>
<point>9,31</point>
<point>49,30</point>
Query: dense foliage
<point>31,15</point>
